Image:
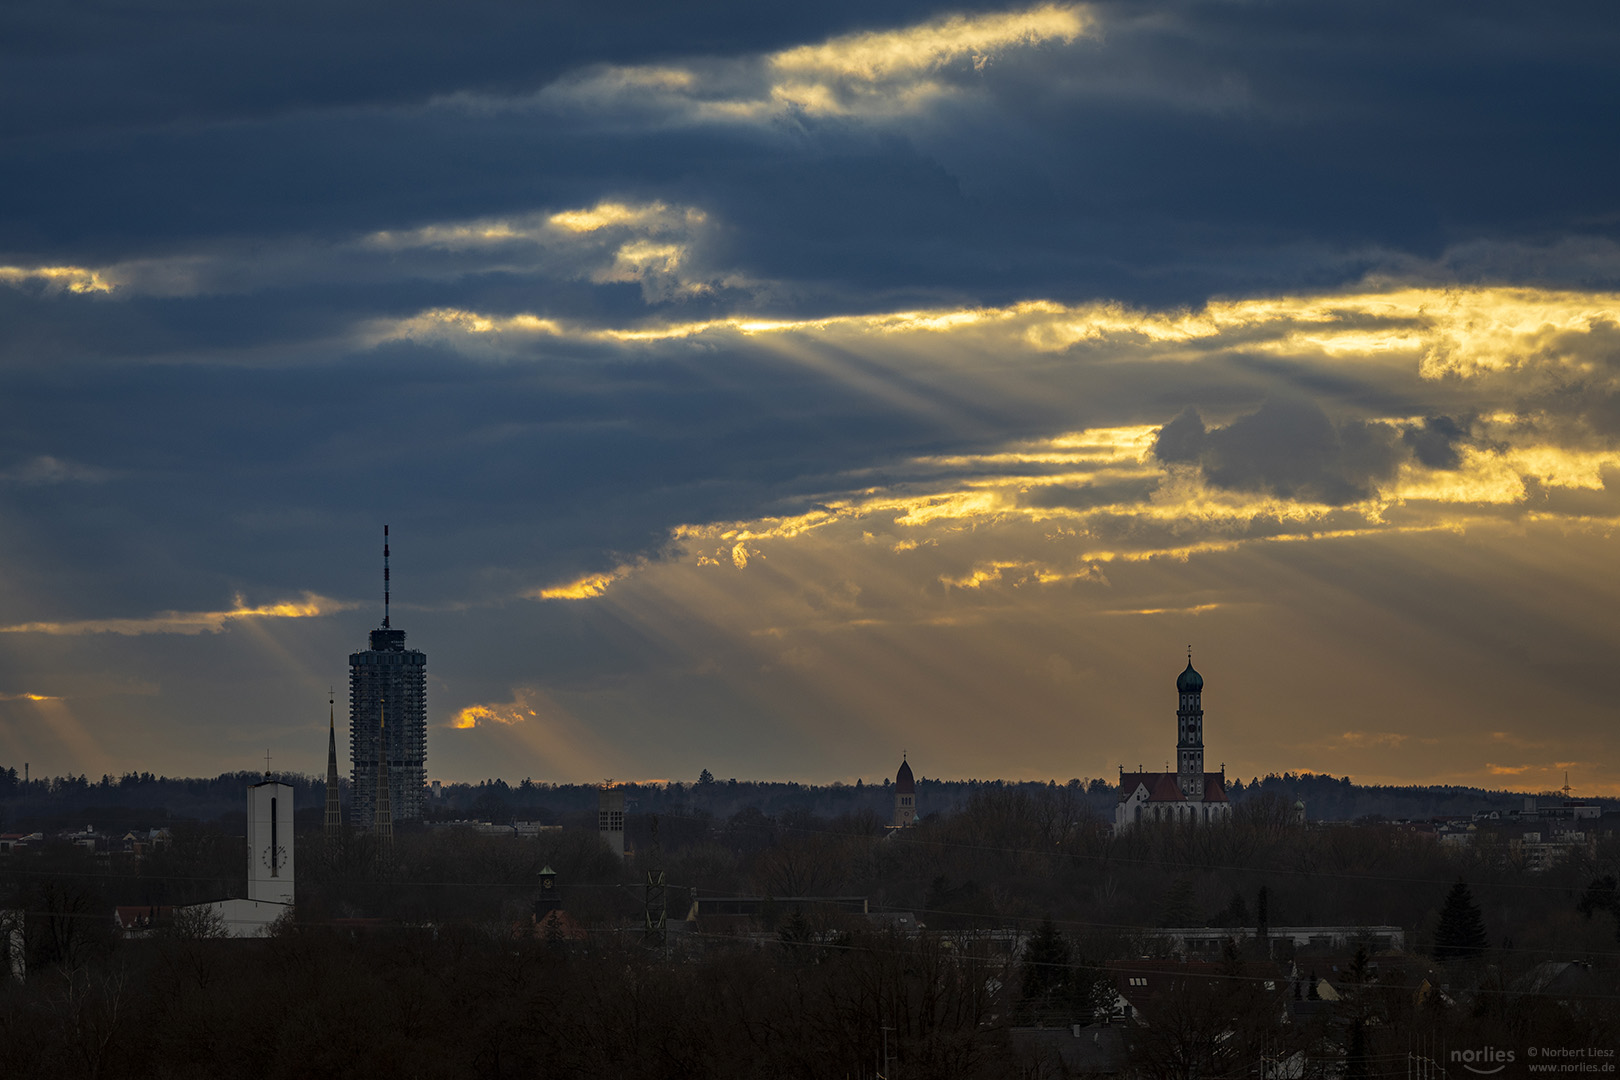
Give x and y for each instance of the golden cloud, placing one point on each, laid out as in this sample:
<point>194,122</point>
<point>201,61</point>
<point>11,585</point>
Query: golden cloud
<point>646,217</point>
<point>885,54</point>
<point>1195,609</point>
<point>1171,513</point>
<point>1018,572</point>
<point>1458,331</point>
<point>516,711</point>
<point>533,726</point>
<point>881,73</point>
<point>1373,738</point>
<point>1138,508</point>
<point>77,279</point>
<point>891,71</point>
<point>187,622</point>
<point>583,588</point>
<point>610,241</point>
<point>557,227</point>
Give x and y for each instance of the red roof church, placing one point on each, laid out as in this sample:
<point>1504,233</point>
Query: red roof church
<point>1189,794</point>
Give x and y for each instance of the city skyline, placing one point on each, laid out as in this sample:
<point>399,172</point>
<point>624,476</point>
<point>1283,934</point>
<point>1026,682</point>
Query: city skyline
<point>770,392</point>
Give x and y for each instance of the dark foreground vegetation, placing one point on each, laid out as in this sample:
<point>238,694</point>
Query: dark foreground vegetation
<point>428,961</point>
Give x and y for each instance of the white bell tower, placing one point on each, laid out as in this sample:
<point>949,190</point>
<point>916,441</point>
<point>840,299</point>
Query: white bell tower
<point>270,842</point>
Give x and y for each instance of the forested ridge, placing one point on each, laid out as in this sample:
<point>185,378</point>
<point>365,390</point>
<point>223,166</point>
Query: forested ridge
<point>142,799</point>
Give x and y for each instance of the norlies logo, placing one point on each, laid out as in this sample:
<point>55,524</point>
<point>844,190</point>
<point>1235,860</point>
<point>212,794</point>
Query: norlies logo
<point>1486,1062</point>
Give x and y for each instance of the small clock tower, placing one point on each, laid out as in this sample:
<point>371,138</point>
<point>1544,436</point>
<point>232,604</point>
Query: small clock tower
<point>270,842</point>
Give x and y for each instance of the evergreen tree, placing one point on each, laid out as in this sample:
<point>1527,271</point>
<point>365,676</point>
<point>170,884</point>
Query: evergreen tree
<point>1355,1058</point>
<point>1602,894</point>
<point>1231,959</point>
<point>1262,924</point>
<point>1238,913</point>
<point>1461,933</point>
<point>1360,966</point>
<point>795,933</point>
<point>1178,907</point>
<point>1047,972</point>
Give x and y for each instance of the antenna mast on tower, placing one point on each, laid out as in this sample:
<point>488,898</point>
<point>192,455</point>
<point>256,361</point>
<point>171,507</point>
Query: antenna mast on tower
<point>385,577</point>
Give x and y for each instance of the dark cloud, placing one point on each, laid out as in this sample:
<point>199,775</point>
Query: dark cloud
<point>1434,441</point>
<point>1087,496</point>
<point>504,476</point>
<point>1291,448</point>
<point>1189,150</point>
<point>1182,440</point>
<point>193,62</point>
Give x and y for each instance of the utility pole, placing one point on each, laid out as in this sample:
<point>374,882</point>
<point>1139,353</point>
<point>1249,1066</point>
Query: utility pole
<point>654,908</point>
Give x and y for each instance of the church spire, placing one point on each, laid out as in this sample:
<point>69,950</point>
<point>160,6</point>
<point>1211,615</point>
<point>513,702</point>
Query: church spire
<point>334,801</point>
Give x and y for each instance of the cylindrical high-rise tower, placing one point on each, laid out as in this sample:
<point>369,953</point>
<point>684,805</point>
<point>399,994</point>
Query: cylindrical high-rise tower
<point>387,674</point>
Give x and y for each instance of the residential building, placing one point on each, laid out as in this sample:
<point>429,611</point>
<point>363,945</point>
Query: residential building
<point>610,817</point>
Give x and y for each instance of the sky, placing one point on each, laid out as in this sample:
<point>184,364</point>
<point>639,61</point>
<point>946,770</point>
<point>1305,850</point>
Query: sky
<point>777,390</point>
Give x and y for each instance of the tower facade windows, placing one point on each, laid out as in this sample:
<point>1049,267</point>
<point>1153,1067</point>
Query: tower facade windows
<point>610,817</point>
<point>387,676</point>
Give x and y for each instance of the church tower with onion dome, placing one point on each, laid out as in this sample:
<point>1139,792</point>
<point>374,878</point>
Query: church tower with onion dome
<point>1190,733</point>
<point>1188,794</point>
<point>905,796</point>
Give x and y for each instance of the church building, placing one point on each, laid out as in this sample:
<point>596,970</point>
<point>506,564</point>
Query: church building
<point>1189,794</point>
<point>905,797</point>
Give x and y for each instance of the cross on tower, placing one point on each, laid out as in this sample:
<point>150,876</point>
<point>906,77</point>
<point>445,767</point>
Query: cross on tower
<point>267,764</point>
